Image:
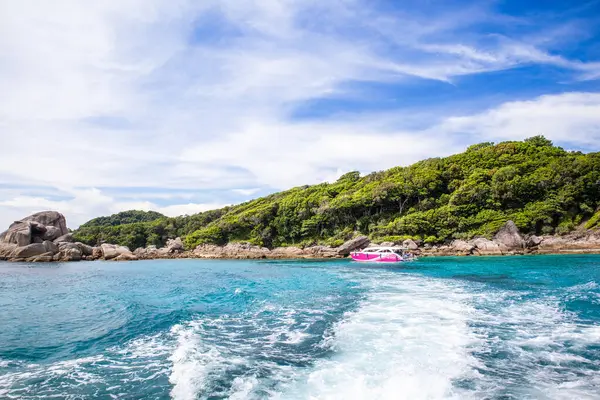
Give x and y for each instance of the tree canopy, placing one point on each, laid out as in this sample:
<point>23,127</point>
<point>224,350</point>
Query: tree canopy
<point>125,217</point>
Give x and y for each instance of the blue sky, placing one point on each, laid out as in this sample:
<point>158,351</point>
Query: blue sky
<point>181,106</point>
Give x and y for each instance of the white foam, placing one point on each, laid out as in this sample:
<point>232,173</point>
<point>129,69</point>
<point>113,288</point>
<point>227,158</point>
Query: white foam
<point>409,339</point>
<point>243,387</point>
<point>195,363</point>
<point>295,337</point>
<point>140,359</point>
<point>190,364</point>
<point>283,330</point>
<point>591,285</point>
<point>544,348</point>
<point>210,351</point>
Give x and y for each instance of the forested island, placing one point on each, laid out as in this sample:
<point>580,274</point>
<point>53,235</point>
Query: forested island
<point>543,188</point>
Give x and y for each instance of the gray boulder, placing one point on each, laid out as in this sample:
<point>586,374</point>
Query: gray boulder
<point>510,237</point>
<point>175,245</point>
<point>37,228</point>
<point>462,246</point>
<point>70,254</point>
<point>110,251</point>
<point>85,249</point>
<point>66,238</point>
<point>52,233</point>
<point>67,246</point>
<point>353,244</point>
<point>125,257</point>
<point>534,241</point>
<point>286,252</point>
<point>486,247</point>
<point>6,249</point>
<point>50,247</point>
<point>325,251</point>
<point>18,233</point>
<point>34,249</point>
<point>96,253</point>
<point>410,244</point>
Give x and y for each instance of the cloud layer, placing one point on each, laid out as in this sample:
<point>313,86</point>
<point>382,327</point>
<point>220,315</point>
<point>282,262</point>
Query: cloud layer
<point>102,104</point>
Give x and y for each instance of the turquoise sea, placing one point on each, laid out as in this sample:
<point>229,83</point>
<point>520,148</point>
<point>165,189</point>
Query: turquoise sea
<point>521,327</point>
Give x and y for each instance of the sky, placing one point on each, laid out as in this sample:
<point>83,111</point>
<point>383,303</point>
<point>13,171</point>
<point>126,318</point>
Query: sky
<point>181,106</point>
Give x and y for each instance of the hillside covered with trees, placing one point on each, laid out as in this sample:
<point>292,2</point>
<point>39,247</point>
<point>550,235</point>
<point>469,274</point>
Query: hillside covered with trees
<point>543,188</point>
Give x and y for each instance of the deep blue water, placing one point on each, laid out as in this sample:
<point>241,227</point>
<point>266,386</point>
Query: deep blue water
<point>440,328</point>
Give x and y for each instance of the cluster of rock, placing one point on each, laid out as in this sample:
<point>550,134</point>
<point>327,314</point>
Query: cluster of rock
<point>249,251</point>
<point>44,237</point>
<point>173,249</point>
<point>509,240</point>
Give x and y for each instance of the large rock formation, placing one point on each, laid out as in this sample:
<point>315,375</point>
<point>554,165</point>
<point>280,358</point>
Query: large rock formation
<point>32,236</point>
<point>50,219</point>
<point>359,242</point>
<point>44,237</point>
<point>46,225</point>
<point>509,237</point>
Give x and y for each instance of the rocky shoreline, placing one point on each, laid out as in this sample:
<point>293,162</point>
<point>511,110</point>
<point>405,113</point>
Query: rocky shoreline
<point>44,237</point>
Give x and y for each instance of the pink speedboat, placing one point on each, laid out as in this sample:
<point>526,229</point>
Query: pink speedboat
<point>382,254</point>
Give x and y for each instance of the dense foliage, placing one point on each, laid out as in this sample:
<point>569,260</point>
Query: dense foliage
<point>125,217</point>
<point>543,188</point>
<point>142,234</point>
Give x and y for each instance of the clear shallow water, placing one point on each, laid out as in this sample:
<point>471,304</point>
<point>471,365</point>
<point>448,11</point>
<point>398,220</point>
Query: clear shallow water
<point>440,328</point>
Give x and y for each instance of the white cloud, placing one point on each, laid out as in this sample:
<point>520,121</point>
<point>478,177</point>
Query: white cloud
<point>137,94</point>
<point>88,203</point>
<point>570,118</point>
<point>246,192</point>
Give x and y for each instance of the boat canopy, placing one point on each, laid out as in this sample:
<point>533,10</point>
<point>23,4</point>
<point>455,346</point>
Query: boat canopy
<point>380,249</point>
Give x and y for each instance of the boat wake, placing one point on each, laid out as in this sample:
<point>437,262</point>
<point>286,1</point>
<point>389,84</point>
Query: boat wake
<point>409,339</point>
